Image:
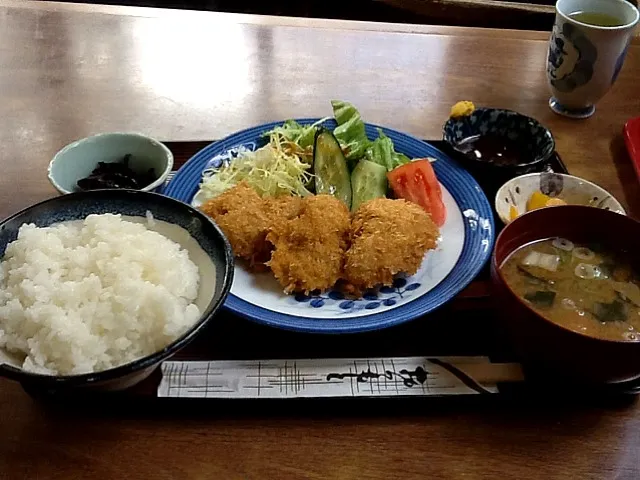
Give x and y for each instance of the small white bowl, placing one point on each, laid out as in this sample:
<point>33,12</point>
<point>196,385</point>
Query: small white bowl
<point>78,159</point>
<point>573,190</point>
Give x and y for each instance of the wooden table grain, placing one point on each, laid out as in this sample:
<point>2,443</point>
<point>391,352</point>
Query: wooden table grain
<point>67,71</point>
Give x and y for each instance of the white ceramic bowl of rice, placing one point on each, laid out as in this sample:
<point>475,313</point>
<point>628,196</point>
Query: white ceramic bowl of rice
<point>97,288</point>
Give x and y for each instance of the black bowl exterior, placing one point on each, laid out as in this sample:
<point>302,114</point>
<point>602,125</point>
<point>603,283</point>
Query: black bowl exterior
<point>542,343</point>
<point>76,206</point>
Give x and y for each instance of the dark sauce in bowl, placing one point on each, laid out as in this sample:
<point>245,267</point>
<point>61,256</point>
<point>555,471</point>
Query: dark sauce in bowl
<point>496,150</point>
<point>116,175</point>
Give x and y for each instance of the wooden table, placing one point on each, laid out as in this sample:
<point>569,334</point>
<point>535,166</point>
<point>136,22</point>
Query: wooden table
<point>67,71</point>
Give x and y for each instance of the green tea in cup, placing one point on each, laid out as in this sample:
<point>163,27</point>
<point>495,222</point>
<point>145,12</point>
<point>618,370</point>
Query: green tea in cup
<point>596,18</point>
<point>586,51</point>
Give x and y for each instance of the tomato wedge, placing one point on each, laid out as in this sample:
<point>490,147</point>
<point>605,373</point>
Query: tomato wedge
<point>417,182</point>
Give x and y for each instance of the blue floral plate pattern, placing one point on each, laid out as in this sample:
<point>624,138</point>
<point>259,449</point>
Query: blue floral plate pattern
<point>465,245</point>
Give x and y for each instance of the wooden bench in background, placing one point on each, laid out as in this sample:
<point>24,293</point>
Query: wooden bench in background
<point>520,14</point>
<point>514,14</point>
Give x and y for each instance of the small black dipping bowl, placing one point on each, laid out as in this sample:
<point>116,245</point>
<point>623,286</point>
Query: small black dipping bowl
<point>217,258</point>
<point>527,133</point>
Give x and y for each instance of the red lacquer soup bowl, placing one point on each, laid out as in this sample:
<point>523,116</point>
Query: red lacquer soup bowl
<point>542,343</point>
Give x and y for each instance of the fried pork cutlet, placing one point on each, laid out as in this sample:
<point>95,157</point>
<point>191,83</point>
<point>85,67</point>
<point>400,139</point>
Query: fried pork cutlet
<point>387,237</point>
<point>282,208</point>
<point>246,218</point>
<point>309,248</point>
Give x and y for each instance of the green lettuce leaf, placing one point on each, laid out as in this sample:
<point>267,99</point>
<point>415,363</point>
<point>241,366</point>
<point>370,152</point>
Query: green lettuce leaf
<point>381,151</point>
<point>350,131</point>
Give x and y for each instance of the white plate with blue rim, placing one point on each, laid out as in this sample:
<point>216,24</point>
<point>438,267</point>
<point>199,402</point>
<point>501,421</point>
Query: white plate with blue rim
<point>464,246</point>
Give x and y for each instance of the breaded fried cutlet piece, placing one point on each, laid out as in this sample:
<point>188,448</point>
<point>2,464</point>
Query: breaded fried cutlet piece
<point>240,214</point>
<point>246,218</point>
<point>387,237</point>
<point>282,208</point>
<point>309,248</point>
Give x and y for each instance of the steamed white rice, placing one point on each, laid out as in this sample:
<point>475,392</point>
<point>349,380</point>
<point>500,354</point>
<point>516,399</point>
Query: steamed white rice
<point>86,296</point>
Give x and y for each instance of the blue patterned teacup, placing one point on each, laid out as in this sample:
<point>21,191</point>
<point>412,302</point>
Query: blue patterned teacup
<point>584,59</point>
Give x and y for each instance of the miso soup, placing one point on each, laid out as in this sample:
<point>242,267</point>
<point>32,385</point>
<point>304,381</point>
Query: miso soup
<point>586,288</point>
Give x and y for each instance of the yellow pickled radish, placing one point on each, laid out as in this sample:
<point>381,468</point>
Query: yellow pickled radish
<point>513,212</point>
<point>540,200</point>
<point>537,200</point>
<point>554,202</point>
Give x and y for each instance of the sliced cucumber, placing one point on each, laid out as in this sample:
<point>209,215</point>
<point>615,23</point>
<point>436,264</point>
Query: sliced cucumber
<point>368,181</point>
<point>330,167</point>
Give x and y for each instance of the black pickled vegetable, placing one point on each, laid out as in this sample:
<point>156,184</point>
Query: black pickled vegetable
<point>116,175</point>
<point>330,167</point>
<point>541,298</point>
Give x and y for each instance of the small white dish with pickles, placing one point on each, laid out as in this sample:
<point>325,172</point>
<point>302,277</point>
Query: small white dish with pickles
<point>547,189</point>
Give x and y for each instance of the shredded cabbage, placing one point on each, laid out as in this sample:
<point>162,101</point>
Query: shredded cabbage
<point>302,135</point>
<point>273,170</point>
<point>295,138</point>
